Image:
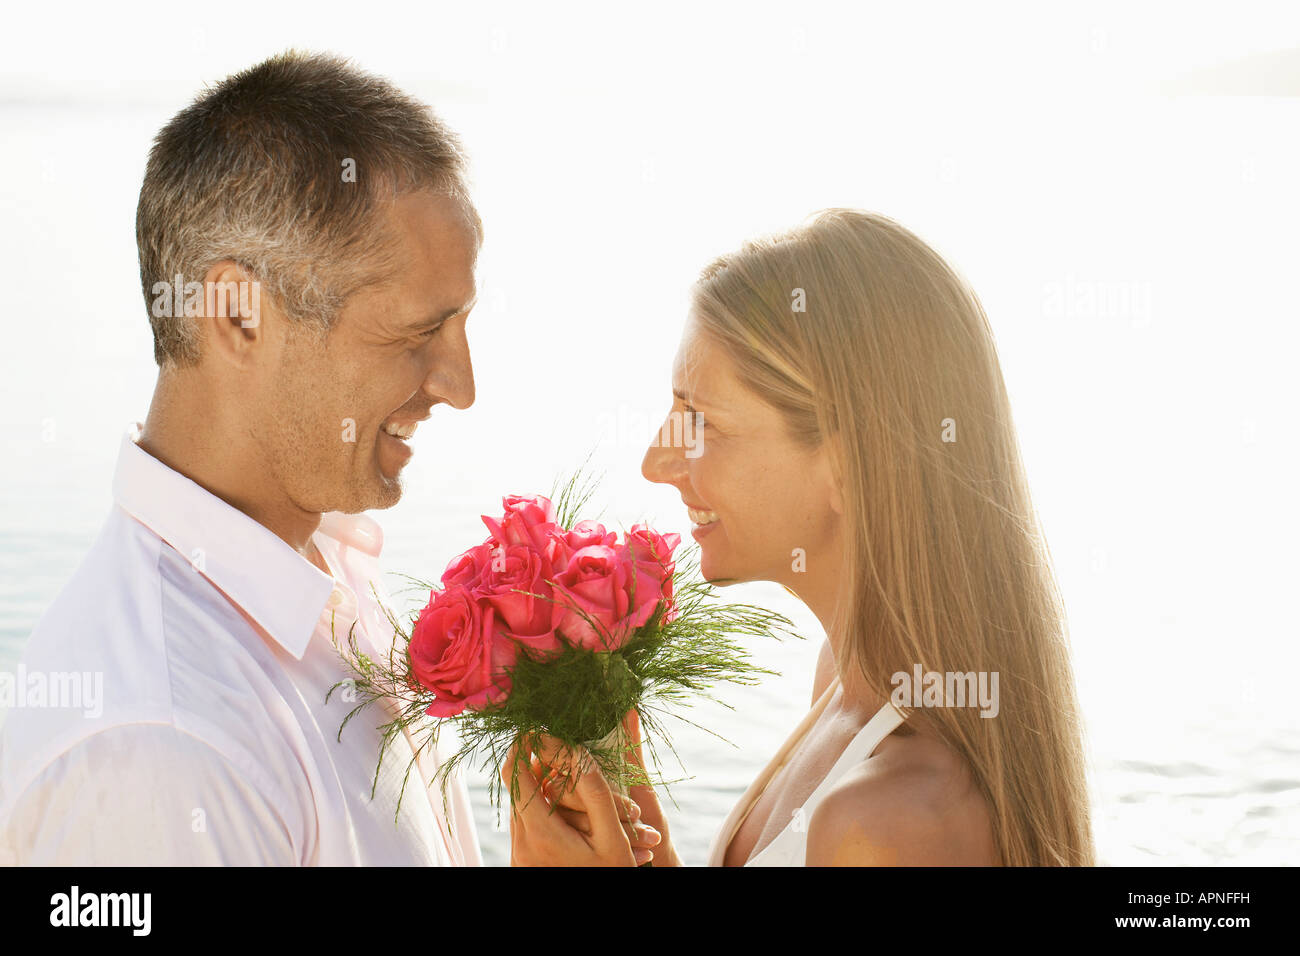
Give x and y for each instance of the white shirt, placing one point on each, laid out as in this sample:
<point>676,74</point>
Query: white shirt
<point>169,708</point>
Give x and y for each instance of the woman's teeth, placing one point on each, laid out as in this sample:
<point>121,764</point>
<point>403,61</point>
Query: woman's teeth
<point>399,431</point>
<point>702,517</point>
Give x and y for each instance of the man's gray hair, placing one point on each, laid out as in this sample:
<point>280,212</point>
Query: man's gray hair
<point>256,171</point>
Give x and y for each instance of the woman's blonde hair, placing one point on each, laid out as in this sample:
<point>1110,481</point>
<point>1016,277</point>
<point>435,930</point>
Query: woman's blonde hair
<point>855,329</point>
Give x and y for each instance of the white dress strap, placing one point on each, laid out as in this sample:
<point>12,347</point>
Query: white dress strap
<point>880,726</point>
<point>789,847</point>
<point>722,840</point>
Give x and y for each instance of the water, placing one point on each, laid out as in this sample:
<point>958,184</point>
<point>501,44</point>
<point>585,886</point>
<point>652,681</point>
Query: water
<point>1154,416</point>
<point>1183,786</point>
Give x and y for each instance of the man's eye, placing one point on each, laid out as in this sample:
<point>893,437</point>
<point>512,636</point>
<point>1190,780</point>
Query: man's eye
<point>430,333</point>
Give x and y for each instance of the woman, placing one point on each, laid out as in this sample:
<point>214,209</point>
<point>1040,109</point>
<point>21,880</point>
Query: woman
<point>849,436</point>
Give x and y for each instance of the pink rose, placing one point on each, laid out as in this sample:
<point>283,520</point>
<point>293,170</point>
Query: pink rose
<point>647,544</point>
<point>456,655</point>
<point>528,519</point>
<point>595,606</point>
<point>588,533</point>
<point>468,568</point>
<point>652,553</point>
<point>584,535</point>
<point>515,584</point>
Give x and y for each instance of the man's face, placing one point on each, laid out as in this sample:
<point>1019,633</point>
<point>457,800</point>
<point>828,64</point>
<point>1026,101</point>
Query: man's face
<point>335,425</point>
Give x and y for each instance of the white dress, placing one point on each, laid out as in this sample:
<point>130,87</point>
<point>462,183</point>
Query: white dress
<point>789,847</point>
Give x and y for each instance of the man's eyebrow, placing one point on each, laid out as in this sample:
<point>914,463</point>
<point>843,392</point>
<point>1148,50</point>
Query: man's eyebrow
<point>439,317</point>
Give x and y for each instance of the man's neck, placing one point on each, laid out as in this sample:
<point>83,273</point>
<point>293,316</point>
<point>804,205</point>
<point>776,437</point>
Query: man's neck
<point>222,461</point>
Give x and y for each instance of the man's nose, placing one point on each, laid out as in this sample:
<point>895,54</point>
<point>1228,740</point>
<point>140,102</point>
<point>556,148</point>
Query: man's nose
<point>452,378</point>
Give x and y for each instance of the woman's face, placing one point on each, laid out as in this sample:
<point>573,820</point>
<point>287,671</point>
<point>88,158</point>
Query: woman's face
<point>762,506</point>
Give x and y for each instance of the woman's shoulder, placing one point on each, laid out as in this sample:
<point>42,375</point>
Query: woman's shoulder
<point>914,803</point>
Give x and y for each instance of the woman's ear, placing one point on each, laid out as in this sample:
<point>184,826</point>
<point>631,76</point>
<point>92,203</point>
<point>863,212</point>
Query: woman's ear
<point>835,460</point>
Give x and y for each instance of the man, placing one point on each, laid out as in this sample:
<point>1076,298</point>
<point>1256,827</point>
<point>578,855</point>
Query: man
<point>307,254</point>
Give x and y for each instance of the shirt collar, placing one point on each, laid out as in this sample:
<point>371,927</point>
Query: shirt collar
<point>275,585</point>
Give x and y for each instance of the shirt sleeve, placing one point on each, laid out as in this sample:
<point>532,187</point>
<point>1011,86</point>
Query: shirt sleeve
<point>145,795</point>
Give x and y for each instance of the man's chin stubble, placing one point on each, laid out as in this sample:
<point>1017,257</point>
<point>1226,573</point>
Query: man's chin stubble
<point>387,494</point>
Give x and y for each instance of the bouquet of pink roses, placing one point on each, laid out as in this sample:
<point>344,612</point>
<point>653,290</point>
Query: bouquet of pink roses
<point>554,625</point>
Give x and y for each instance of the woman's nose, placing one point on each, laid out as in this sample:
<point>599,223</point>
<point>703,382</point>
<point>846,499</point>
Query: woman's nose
<point>664,461</point>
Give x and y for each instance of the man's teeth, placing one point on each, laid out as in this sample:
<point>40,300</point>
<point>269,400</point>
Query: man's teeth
<point>400,431</point>
<point>702,517</point>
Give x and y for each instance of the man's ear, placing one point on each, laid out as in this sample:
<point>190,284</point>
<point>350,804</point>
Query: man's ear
<point>231,311</point>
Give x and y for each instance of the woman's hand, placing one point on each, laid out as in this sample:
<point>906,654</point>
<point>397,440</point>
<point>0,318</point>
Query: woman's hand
<point>652,814</point>
<point>555,767</point>
<point>564,813</point>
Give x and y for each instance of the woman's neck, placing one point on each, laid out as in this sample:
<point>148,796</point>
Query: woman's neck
<point>830,606</point>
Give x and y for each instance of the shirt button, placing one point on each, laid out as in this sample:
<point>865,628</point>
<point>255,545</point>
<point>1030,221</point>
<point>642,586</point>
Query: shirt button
<point>336,597</point>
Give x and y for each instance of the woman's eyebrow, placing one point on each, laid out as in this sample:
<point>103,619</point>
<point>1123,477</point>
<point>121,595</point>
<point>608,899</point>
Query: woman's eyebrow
<point>692,400</point>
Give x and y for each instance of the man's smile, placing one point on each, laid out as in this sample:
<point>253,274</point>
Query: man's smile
<point>399,430</point>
